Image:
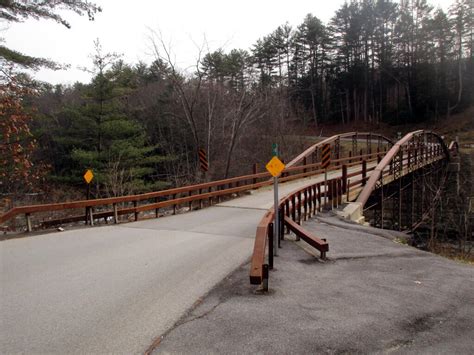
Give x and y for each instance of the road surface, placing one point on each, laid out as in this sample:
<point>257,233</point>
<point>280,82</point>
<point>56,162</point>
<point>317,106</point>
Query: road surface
<point>114,289</point>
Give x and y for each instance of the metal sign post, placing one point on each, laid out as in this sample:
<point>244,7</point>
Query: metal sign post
<point>88,176</point>
<point>275,167</point>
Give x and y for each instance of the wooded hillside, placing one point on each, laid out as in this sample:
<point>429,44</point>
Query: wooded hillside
<point>139,126</point>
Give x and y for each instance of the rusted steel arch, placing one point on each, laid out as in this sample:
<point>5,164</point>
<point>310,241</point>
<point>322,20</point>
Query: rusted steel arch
<point>392,155</point>
<point>370,137</point>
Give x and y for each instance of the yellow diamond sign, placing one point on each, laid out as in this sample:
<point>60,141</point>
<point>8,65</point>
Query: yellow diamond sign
<point>275,166</point>
<point>88,176</point>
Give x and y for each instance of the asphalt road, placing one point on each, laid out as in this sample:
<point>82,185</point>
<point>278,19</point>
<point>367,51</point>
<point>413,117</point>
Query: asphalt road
<point>115,289</point>
<point>373,296</point>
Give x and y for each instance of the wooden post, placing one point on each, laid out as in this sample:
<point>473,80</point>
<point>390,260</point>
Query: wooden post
<point>91,216</point>
<point>255,171</point>
<point>135,204</point>
<point>115,213</point>
<point>344,178</point>
<point>174,206</point>
<point>29,229</point>
<point>157,210</point>
<point>200,200</point>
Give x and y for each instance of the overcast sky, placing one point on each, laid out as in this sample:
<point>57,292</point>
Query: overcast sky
<point>124,27</point>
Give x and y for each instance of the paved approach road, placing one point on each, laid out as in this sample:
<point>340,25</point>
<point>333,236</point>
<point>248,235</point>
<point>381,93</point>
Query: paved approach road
<point>114,289</point>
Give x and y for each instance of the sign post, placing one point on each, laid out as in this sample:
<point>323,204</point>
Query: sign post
<point>88,176</point>
<point>275,167</point>
<point>325,162</point>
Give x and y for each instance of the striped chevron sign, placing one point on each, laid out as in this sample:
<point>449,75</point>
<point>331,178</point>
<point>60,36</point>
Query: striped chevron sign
<point>326,156</point>
<point>203,163</point>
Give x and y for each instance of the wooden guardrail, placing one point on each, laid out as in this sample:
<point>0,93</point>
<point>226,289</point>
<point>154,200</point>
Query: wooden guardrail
<point>203,194</point>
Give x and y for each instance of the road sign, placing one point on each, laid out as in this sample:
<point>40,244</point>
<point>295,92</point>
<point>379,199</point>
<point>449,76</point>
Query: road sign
<point>274,150</point>
<point>275,166</point>
<point>326,156</point>
<point>88,176</point>
<point>203,163</point>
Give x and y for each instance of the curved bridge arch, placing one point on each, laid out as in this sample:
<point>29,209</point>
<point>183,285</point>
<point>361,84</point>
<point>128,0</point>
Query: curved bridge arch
<point>335,141</point>
<point>416,148</point>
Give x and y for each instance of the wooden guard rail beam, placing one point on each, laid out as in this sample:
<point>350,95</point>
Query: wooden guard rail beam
<point>172,197</point>
<point>315,242</point>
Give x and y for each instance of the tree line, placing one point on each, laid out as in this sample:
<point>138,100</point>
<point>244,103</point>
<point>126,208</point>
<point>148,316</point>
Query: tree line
<point>139,126</point>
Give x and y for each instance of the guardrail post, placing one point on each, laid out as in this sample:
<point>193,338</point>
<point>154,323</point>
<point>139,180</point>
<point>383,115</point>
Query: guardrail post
<point>364,172</point>
<point>157,210</point>
<point>135,204</point>
<point>29,229</point>
<point>344,178</point>
<point>348,191</point>
<point>293,210</point>
<point>319,197</point>
<point>265,276</point>
<point>91,216</point>
<point>270,246</point>
<point>200,200</point>
<point>299,207</point>
<point>210,198</point>
<point>255,171</point>
<point>190,204</point>
<point>115,213</point>
<point>305,205</point>
<point>174,206</point>
<point>281,219</point>
<point>287,213</point>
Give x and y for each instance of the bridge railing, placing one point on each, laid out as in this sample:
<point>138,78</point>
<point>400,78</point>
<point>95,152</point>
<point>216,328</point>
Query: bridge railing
<point>301,205</point>
<point>412,151</point>
<point>195,196</point>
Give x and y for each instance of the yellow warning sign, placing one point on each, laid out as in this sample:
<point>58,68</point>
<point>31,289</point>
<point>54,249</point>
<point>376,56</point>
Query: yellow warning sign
<point>88,176</point>
<point>275,166</point>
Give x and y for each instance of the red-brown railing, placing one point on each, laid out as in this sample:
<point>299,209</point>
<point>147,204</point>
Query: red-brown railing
<point>202,195</point>
<point>299,206</point>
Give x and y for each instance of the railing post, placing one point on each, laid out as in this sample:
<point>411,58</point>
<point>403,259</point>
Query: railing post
<point>360,153</point>
<point>135,204</point>
<point>270,246</point>
<point>350,156</point>
<point>304,164</point>
<point>91,216</point>
<point>200,200</point>
<point>265,276</point>
<point>255,171</point>
<point>344,178</point>
<point>305,206</point>
<point>293,210</point>
<point>364,172</point>
<point>29,229</point>
<point>319,197</point>
<point>174,206</point>
<point>348,191</point>
<point>157,210</point>
<point>115,213</point>
<point>190,203</point>
<point>210,198</point>
<point>281,231</point>
<point>300,207</point>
